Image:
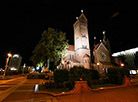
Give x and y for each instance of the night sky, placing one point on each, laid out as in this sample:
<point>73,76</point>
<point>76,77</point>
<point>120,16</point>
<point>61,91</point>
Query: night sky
<point>23,22</point>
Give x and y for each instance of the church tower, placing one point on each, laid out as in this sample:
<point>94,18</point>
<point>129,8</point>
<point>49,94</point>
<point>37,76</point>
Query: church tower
<point>81,39</point>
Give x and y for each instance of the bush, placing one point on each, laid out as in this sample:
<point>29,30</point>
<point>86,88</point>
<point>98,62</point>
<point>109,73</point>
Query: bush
<point>69,85</point>
<point>11,72</point>
<point>36,76</point>
<point>116,75</point>
<point>80,72</point>
<point>103,79</point>
<point>61,75</point>
<point>1,72</point>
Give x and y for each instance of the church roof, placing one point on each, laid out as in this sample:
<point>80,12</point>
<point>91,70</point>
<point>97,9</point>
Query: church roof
<point>97,46</point>
<point>74,61</point>
<point>71,48</point>
<point>86,55</point>
<point>82,17</point>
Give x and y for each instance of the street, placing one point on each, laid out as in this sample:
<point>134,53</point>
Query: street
<point>20,89</point>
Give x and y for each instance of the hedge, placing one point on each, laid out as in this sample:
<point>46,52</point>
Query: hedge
<point>61,75</point>
<point>116,75</point>
<point>80,72</point>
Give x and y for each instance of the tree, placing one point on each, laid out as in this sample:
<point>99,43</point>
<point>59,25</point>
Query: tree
<point>51,47</point>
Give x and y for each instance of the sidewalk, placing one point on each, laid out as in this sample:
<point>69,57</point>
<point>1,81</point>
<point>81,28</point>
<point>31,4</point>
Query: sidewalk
<point>127,94</point>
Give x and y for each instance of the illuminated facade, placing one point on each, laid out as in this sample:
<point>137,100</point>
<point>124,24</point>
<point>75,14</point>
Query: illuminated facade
<point>102,55</point>
<point>15,62</point>
<point>79,54</point>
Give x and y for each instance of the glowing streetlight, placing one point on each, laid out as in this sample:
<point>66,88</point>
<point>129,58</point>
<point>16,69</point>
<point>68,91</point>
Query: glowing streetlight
<point>9,55</point>
<point>98,65</point>
<point>122,64</point>
<point>7,60</point>
<point>23,68</point>
<point>62,62</point>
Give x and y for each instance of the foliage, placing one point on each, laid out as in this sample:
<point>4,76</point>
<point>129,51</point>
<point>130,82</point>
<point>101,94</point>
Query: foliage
<point>36,76</point>
<point>116,75</point>
<point>61,75</point>
<point>54,87</point>
<point>1,72</point>
<point>52,46</point>
<point>11,72</point>
<point>80,72</point>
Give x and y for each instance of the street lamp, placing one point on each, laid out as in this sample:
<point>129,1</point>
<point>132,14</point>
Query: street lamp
<point>7,60</point>
<point>23,68</point>
<point>122,64</point>
<point>98,65</point>
<point>62,62</point>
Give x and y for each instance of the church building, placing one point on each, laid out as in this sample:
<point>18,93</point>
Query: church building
<point>79,54</point>
<point>102,55</point>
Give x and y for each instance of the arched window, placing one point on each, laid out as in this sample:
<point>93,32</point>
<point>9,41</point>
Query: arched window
<point>85,60</point>
<point>84,35</point>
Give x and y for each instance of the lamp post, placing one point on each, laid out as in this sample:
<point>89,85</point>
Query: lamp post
<point>7,60</point>
<point>23,68</point>
<point>62,62</point>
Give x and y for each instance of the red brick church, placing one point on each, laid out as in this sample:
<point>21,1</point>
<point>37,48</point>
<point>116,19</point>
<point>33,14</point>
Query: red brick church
<point>79,53</point>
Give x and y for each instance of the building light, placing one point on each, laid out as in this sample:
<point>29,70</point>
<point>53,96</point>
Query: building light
<point>37,68</point>
<point>133,72</point>
<point>13,68</point>
<point>15,56</point>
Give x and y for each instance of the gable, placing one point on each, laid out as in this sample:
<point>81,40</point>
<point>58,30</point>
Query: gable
<point>70,48</point>
<point>86,56</point>
<point>102,47</point>
<point>102,53</point>
<point>82,18</point>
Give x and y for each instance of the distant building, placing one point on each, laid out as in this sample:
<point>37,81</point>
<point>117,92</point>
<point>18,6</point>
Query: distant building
<point>15,62</point>
<point>128,57</point>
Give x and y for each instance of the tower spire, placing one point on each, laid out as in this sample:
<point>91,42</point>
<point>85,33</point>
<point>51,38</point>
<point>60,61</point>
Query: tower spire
<point>104,38</point>
<point>94,41</point>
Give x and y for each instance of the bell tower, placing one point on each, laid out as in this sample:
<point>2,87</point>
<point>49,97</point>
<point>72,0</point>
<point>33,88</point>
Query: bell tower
<point>81,38</point>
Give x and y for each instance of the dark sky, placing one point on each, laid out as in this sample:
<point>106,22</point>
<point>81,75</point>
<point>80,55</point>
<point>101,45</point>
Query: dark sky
<point>23,22</point>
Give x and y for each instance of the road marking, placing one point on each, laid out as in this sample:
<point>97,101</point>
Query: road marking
<point>23,91</point>
<point>5,81</point>
<point>7,92</point>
